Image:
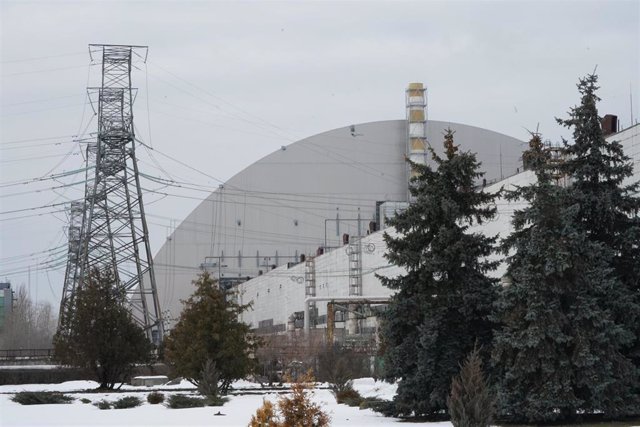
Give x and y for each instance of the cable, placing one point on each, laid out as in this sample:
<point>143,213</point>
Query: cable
<point>36,208</point>
<point>3,259</point>
<point>39,100</point>
<point>45,178</point>
<point>19,141</point>
<point>34,158</point>
<point>41,190</point>
<point>45,71</point>
<point>23,146</point>
<point>38,58</point>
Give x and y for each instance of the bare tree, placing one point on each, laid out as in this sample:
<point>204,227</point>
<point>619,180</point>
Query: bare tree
<point>29,325</point>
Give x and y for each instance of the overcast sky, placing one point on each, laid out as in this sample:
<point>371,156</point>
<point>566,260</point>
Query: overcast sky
<point>229,82</point>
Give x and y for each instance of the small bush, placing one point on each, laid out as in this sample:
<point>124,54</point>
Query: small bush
<point>40,398</point>
<point>103,404</point>
<point>297,410</point>
<point>155,397</point>
<point>85,400</point>
<point>470,403</point>
<point>384,407</point>
<point>265,416</point>
<point>127,402</point>
<point>178,401</point>
<point>216,400</point>
<point>347,394</point>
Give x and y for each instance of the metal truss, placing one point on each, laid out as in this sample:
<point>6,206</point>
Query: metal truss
<point>114,231</point>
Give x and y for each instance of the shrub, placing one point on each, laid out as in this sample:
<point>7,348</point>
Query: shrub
<point>155,397</point>
<point>349,397</point>
<point>384,407</point>
<point>470,404</point>
<point>178,401</point>
<point>103,404</point>
<point>127,402</point>
<point>40,398</point>
<point>296,410</point>
<point>85,400</point>
<point>345,393</point>
<point>265,416</point>
<point>216,400</point>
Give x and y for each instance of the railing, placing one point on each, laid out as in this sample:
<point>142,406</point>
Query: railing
<point>26,354</point>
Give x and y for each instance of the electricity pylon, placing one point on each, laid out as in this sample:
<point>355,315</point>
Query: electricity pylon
<point>114,232</point>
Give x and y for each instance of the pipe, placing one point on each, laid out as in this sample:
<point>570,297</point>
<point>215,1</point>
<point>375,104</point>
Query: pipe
<point>358,298</point>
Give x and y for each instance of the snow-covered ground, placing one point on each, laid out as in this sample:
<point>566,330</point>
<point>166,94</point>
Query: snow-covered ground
<point>237,411</point>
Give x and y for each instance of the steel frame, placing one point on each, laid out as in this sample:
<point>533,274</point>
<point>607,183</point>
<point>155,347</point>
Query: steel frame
<point>114,231</point>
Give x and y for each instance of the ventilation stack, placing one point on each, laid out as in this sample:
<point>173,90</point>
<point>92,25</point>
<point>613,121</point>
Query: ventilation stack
<point>416,101</point>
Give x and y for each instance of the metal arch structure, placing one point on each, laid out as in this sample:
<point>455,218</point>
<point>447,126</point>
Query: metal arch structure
<point>114,231</point>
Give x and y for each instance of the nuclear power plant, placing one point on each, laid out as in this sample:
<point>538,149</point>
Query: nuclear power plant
<point>287,219</point>
<point>299,233</point>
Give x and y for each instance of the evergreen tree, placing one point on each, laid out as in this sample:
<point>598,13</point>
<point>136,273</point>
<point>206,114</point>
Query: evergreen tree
<point>443,300</point>
<point>607,208</point>
<point>209,346</point>
<point>470,403</point>
<point>99,332</point>
<point>558,349</point>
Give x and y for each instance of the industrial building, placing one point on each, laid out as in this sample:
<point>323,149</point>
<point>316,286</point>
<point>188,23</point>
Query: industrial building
<point>300,233</point>
<point>326,194</point>
<point>319,293</point>
<point>6,302</point>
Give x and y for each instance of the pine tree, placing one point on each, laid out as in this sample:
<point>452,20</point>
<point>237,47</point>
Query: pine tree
<point>443,300</point>
<point>209,342</point>
<point>558,349</point>
<point>100,333</point>
<point>607,208</point>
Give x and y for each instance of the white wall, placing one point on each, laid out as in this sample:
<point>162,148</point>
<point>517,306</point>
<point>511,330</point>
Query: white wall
<point>281,292</point>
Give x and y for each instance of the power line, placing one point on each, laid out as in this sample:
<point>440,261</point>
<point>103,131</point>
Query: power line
<point>19,141</point>
<point>45,70</point>
<point>39,58</point>
<point>43,189</point>
<point>34,208</point>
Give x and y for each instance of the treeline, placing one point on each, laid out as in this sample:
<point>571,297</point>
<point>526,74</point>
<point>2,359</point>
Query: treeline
<point>559,341</point>
<point>28,325</point>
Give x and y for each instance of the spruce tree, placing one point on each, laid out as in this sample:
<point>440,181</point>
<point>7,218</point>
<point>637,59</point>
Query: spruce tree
<point>558,348</point>
<point>443,300</point>
<point>209,345</point>
<point>99,332</point>
<point>607,208</point>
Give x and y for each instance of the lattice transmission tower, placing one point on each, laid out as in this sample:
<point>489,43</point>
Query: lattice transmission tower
<point>113,233</point>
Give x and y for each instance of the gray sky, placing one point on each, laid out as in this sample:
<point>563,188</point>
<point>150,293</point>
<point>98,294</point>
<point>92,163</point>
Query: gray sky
<point>229,82</point>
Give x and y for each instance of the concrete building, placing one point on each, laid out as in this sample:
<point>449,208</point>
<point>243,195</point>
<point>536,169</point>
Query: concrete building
<point>6,302</point>
<point>304,198</point>
<point>282,299</point>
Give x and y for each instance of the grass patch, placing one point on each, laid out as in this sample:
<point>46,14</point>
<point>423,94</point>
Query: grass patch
<point>155,397</point>
<point>85,400</point>
<point>40,398</point>
<point>179,401</point>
